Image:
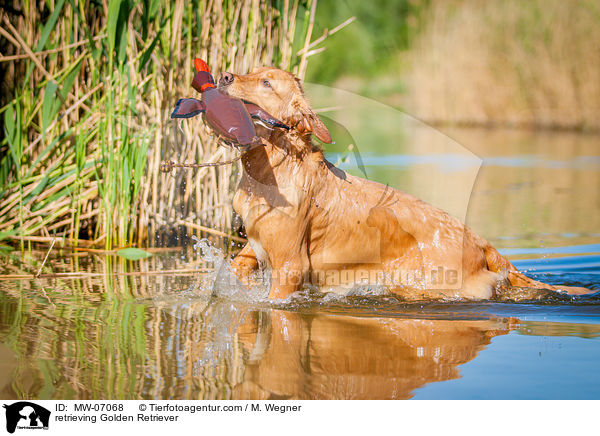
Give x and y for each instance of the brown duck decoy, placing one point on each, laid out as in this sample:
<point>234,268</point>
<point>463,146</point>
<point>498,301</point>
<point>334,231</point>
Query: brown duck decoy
<point>228,116</point>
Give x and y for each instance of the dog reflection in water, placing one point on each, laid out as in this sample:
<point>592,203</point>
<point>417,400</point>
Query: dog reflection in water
<point>291,355</point>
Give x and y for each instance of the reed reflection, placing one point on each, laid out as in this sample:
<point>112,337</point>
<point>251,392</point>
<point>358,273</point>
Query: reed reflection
<point>67,345</point>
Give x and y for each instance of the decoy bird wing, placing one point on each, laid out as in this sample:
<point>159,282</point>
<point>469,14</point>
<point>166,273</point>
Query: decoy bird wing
<point>188,107</point>
<point>261,114</point>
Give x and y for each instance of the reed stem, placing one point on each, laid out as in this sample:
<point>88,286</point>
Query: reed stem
<point>88,123</point>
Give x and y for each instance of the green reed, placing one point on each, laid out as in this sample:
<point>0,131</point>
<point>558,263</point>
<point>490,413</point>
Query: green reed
<point>88,123</point>
<point>97,337</point>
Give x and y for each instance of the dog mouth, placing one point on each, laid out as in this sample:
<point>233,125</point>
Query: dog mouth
<point>226,89</point>
<point>222,87</point>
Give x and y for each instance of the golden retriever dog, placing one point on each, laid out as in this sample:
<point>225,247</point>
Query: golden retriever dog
<point>309,222</point>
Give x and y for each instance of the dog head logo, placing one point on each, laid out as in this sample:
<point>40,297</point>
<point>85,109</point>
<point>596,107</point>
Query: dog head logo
<point>26,415</point>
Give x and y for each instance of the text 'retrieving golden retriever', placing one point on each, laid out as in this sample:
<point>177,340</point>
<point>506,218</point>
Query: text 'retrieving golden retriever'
<point>309,222</point>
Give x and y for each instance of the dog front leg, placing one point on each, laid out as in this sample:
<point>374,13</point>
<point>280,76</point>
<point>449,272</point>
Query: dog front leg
<point>288,278</point>
<point>244,264</point>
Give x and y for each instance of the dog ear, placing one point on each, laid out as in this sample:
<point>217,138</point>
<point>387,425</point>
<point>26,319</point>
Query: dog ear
<point>309,120</point>
<point>317,127</point>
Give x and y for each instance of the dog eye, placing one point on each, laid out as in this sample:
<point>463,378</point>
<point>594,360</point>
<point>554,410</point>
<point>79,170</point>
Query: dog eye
<point>267,84</point>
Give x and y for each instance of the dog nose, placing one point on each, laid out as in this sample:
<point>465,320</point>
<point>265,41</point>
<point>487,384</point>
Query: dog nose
<point>226,79</point>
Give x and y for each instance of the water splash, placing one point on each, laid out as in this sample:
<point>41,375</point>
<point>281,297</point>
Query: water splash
<point>222,281</point>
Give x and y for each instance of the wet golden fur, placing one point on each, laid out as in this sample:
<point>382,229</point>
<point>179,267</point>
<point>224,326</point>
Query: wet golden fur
<point>310,222</point>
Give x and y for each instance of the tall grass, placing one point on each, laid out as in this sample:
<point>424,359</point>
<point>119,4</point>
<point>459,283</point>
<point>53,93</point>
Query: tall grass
<point>515,63</point>
<point>87,124</point>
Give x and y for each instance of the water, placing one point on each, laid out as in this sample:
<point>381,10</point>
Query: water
<point>196,334</point>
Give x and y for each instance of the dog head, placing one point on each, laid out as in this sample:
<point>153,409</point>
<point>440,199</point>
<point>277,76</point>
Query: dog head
<point>281,94</point>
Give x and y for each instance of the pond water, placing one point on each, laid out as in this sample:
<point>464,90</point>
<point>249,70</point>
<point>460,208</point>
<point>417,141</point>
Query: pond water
<point>96,326</point>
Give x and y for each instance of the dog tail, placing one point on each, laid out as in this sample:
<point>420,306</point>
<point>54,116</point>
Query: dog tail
<point>497,263</point>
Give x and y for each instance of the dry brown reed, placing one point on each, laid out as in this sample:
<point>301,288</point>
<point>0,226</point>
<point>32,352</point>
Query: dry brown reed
<point>87,122</point>
<point>515,63</point>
